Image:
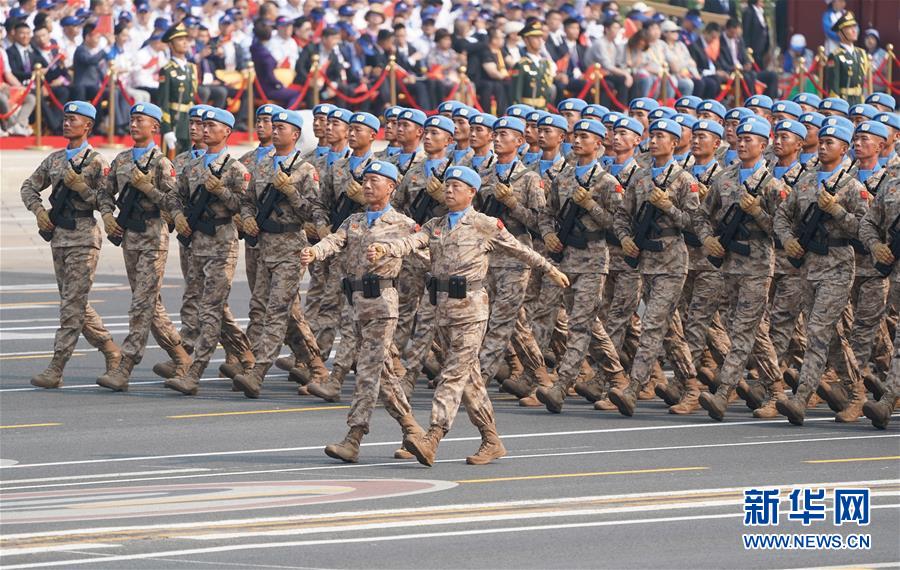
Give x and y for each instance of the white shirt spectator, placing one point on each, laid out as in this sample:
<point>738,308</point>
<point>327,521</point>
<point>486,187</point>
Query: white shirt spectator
<point>284,49</point>
<point>148,62</point>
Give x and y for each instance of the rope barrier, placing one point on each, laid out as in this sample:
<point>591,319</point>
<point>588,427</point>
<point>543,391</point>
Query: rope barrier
<point>15,106</point>
<point>99,96</point>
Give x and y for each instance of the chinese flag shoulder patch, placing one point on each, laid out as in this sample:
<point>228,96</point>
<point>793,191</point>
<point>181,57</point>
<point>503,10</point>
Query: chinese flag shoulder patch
<point>695,188</point>
<point>105,171</point>
<point>172,172</point>
<point>247,176</point>
<point>542,183</point>
<point>316,175</point>
<point>415,228</point>
<point>499,224</point>
<point>864,194</point>
<point>619,189</point>
<point>783,194</point>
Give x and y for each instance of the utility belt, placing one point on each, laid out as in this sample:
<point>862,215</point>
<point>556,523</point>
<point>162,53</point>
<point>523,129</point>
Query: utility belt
<point>209,225</point>
<point>73,213</point>
<point>455,286</point>
<point>137,220</point>
<point>580,240</point>
<point>273,227</point>
<point>370,286</point>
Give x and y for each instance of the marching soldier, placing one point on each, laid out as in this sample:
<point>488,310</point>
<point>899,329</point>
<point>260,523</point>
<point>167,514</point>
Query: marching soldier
<point>845,70</point>
<point>76,173</point>
<point>372,298</point>
<point>177,86</point>
<point>210,192</point>
<point>390,133</point>
<point>459,243</point>
<point>533,74</point>
<point>140,181</point>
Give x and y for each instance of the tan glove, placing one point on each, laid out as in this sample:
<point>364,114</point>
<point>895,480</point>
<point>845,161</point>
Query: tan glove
<point>558,277</point>
<point>375,252</point>
<point>829,203</point>
<point>250,227</point>
<point>75,181</point>
<point>323,231</point>
<point>238,222</point>
<point>282,182</point>
<point>182,226</point>
<point>310,230</point>
<point>751,204</point>
<point>435,189</point>
<point>214,184</point>
<point>355,192</point>
<point>112,227</point>
<point>630,248</point>
<point>714,247</point>
<point>43,220</point>
<point>307,256</point>
<point>660,199</point>
<point>883,254</point>
<point>584,199</point>
<point>793,249</point>
<point>702,191</point>
<point>166,217</point>
<point>141,181</point>
<point>505,196</point>
<point>552,242</point>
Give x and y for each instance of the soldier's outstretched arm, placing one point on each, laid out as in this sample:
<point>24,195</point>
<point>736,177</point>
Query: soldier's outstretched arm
<point>415,241</point>
<point>333,243</point>
<point>502,240</point>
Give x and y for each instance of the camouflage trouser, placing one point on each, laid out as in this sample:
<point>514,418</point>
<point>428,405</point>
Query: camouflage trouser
<point>251,266</point>
<point>74,268</point>
<point>544,312</point>
<point>211,277</point>
<point>346,352</point>
<point>892,381</point>
<point>825,303</point>
<point>620,299</point>
<point>410,287</point>
<point>869,299</point>
<point>322,305</point>
<point>746,297</point>
<point>785,318</point>
<point>506,290</point>
<point>233,339</point>
<point>145,269</point>
<point>661,293</point>
<point>582,301</point>
<point>524,344</point>
<point>300,337</point>
<point>375,374</point>
<point>461,378</point>
<point>701,299</point>
<point>422,340</point>
<point>277,283</point>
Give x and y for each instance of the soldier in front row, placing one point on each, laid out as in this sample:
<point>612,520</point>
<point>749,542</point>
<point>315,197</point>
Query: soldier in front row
<point>460,243</point>
<point>75,173</point>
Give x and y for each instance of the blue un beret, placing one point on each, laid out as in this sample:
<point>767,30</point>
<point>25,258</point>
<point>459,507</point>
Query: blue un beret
<point>449,106</point>
<point>366,119</point>
<point>691,102</point>
<point>383,168</point>
<point>594,112</point>
<point>557,121</point>
<point>413,116</point>
<point>836,121</point>
<point>882,99</point>
<point>267,109</point>
<point>340,114</point>
<point>323,109</point>
<point>464,111</point>
<point>219,116</point>
<point>591,126</point>
<point>795,127</point>
<point>631,124</point>
<point>611,118</point>
<point>441,122</point>
<point>82,108</point>
<point>890,119</point>
<point>712,106</point>
<point>392,112</point>
<point>572,104</point>
<point>814,119</point>
<point>738,114</point>
<point>483,119</point>
<point>761,101</point>
<point>289,117</point>
<point>666,125</point>
<point>710,127</point>
<point>465,175</point>
<point>835,104</point>
<point>807,99</point>
<point>838,132</point>
<point>874,128</point>
<point>867,111</point>
<point>685,120</point>
<point>535,116</point>
<point>754,127</point>
<point>148,109</point>
<point>662,113</point>
<point>197,111</point>
<point>519,110</point>
<point>643,104</point>
<point>511,123</point>
<point>788,108</point>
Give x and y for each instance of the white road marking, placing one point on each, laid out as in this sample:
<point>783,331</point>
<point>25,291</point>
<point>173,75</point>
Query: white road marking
<point>61,548</point>
<point>101,475</point>
<point>134,383</point>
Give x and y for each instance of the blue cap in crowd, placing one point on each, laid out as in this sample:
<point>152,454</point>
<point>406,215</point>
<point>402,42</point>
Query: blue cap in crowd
<point>219,116</point>
<point>761,101</point>
<point>691,102</point>
<point>611,118</point>
<point>464,111</point>
<point>667,126</point>
<point>662,113</point>
<point>867,111</point>
<point>807,99</point>
<point>738,114</point>
<point>753,127</point>
<point>414,116</point>
<point>890,119</point>
<point>572,104</point>
<point>346,11</point>
<point>289,117</point>
<point>518,110</point>
<point>882,99</point>
<point>465,175</point>
<point>448,106</point>
<point>511,123</point>
<point>685,120</point>
<point>643,104</point>
<point>788,108</point>
<point>838,121</point>
<point>631,124</point>
<point>161,24</point>
<point>82,108</point>
<point>535,116</point>
<point>392,112</point>
<point>835,104</point>
<point>795,127</point>
<point>710,127</point>
<point>594,112</point>
<point>367,119</point>
<point>483,119</point>
<point>267,109</point>
<point>591,126</point>
<point>814,119</point>
<point>340,114</point>
<point>874,128</point>
<point>382,168</point>
<point>70,21</point>
<point>441,122</point>
<point>557,121</point>
<point>148,109</point>
<point>712,106</point>
<point>323,109</point>
<point>838,132</point>
<point>198,111</point>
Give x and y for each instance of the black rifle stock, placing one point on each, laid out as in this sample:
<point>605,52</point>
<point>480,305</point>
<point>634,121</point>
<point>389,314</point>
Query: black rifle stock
<point>894,235</point>
<point>733,227</point>
<point>423,204</point>
<point>267,203</point>
<point>647,224</point>
<point>61,204</point>
<point>127,201</point>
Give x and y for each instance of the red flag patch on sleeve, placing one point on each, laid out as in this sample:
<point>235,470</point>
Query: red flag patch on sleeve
<point>105,171</point>
<point>499,224</point>
<point>695,188</point>
<point>619,189</point>
<point>415,228</point>
<point>864,194</point>
<point>172,172</point>
<point>316,175</point>
<point>783,194</point>
<point>247,176</point>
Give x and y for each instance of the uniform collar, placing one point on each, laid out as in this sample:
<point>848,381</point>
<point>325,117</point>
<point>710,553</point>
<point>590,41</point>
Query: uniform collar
<point>454,217</point>
<point>137,152</point>
<point>73,152</point>
<point>372,217</point>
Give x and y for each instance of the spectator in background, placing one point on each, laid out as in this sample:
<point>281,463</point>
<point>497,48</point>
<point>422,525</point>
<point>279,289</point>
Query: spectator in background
<point>282,45</point>
<point>637,62</point>
<point>682,69</point>
<point>265,66</point>
<point>19,54</point>
<point>303,32</point>
<point>411,62</point>
<point>721,6</point>
<point>125,63</point>
<point>489,72</point>
<point>425,43</point>
<point>443,66</point>
<point>90,68</point>
<point>70,39</point>
<point>10,92</point>
<point>556,37</point>
<point>512,43</point>
<point>149,60</point>
<point>655,52</point>
<point>332,65</point>
<point>756,30</point>
<point>141,28</point>
<point>833,12</point>
<point>610,56</point>
<point>877,54</point>
<point>733,54</point>
<point>797,49</point>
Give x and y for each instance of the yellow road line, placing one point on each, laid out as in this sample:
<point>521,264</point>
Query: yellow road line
<point>589,474</point>
<point>852,459</point>
<point>29,426</point>
<point>251,412</point>
<point>33,356</point>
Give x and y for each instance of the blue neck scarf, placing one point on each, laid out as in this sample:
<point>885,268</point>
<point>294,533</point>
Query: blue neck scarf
<point>779,171</point>
<point>197,152</point>
<point>71,152</point>
<point>606,161</point>
<point>322,151</point>
<point>822,176</point>
<point>545,165</point>
<point>699,169</point>
<point>581,171</point>
<point>523,148</point>
<point>334,155</point>
<point>262,151</point>
<point>746,173</point>
<point>477,161</point>
<point>883,160</point>
<point>459,154</point>
<point>532,157</point>
<point>355,161</point>
<point>210,158</point>
<point>277,160</point>
<point>392,150</point>
<point>864,175</point>
<point>730,156</point>
<point>656,171</point>
<point>403,158</point>
<point>680,157</point>
<point>431,164</point>
<point>372,217</point>
<point>453,217</point>
<point>137,153</point>
<point>615,168</point>
<point>502,170</point>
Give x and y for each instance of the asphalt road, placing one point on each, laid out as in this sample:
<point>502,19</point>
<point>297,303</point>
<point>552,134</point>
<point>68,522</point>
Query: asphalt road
<point>152,479</point>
